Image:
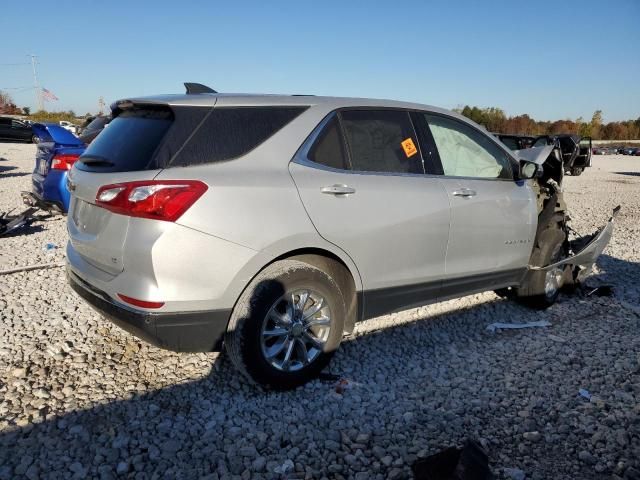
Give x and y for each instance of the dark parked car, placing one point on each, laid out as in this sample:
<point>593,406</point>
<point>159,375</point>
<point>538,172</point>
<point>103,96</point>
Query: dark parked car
<point>92,130</point>
<point>575,150</point>
<point>515,142</point>
<point>14,129</point>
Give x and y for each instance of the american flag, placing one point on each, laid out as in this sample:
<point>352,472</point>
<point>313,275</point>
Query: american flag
<point>47,95</point>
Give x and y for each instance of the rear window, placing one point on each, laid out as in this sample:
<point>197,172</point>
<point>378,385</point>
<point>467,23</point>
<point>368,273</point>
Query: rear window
<point>228,133</point>
<point>129,143</point>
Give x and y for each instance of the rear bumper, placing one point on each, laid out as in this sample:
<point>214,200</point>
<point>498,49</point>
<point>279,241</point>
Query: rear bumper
<point>178,331</point>
<point>52,189</point>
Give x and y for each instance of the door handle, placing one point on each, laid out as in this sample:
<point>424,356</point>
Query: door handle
<point>338,190</point>
<point>464,192</point>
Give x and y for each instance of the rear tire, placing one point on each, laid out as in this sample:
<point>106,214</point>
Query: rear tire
<point>286,325</point>
<point>34,139</point>
<point>577,171</point>
<point>541,288</point>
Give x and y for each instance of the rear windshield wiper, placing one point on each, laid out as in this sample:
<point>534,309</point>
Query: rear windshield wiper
<point>96,161</point>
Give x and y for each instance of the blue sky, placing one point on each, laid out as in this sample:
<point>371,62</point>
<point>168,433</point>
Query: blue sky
<point>546,58</point>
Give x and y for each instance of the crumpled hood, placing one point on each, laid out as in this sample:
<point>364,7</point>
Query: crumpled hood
<point>50,132</point>
<point>536,155</point>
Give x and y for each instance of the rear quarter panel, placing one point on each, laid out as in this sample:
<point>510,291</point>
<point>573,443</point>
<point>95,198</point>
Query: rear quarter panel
<point>252,201</point>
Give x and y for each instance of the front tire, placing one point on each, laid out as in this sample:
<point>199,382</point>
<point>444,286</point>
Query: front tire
<point>541,288</point>
<point>286,325</point>
<point>577,171</point>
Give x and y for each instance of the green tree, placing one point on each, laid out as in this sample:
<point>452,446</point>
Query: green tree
<point>596,124</point>
<point>26,111</point>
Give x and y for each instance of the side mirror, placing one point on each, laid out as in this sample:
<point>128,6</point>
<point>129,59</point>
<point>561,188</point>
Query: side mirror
<point>529,170</point>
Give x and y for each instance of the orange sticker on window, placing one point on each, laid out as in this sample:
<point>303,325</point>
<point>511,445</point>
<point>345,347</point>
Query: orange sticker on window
<point>409,147</point>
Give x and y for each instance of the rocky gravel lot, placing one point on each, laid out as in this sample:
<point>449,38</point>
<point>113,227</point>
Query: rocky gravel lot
<point>80,398</point>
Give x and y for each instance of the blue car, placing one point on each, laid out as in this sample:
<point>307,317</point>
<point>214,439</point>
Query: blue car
<point>58,149</point>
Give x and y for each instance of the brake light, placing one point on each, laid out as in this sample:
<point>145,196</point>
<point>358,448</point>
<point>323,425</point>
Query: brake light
<point>140,303</point>
<point>64,161</point>
<point>155,199</point>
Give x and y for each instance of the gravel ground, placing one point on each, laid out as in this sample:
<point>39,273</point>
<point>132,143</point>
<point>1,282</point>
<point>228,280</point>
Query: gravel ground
<point>80,398</point>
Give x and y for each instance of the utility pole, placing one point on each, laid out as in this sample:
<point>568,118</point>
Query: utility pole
<point>100,105</point>
<point>35,83</point>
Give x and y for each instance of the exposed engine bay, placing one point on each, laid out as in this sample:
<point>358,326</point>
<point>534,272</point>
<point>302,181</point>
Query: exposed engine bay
<point>578,251</point>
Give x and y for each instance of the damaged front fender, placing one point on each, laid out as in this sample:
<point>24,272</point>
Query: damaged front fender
<point>587,250</point>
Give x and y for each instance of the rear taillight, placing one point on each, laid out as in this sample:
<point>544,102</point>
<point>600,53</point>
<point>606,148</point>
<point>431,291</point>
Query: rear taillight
<point>63,162</point>
<point>156,199</point>
<point>140,303</point>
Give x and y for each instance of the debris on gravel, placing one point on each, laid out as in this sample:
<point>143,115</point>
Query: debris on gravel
<point>79,398</point>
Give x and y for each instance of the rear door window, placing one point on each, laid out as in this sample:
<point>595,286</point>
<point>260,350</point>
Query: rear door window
<point>381,141</point>
<point>129,143</point>
<point>329,148</point>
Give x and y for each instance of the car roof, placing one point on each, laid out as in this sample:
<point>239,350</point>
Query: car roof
<point>248,99</point>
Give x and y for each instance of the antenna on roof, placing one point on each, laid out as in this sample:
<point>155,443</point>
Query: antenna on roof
<point>197,88</point>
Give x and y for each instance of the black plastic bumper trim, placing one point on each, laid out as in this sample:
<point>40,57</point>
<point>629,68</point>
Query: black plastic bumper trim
<point>178,331</point>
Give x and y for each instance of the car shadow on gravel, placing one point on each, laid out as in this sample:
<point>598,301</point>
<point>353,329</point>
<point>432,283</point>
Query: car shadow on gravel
<point>4,169</point>
<point>632,174</point>
<point>4,172</point>
<point>185,430</point>
<point>12,175</point>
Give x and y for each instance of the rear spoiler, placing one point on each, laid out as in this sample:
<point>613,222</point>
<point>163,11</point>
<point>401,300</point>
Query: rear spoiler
<point>50,132</point>
<point>193,88</point>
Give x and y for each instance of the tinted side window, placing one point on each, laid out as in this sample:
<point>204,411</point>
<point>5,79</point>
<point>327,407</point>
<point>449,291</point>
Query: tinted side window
<point>381,141</point>
<point>328,149</point>
<point>229,133</point>
<point>466,152</point>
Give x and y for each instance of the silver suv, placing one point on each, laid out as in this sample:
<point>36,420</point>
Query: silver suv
<point>270,225</point>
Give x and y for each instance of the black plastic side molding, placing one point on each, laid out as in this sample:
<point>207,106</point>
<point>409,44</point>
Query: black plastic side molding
<point>193,88</point>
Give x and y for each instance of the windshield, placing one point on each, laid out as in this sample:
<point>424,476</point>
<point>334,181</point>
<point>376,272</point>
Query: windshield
<point>97,123</point>
<point>541,142</point>
<point>510,142</point>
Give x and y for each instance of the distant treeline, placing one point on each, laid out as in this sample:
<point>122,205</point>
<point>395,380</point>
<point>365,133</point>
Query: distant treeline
<point>495,120</point>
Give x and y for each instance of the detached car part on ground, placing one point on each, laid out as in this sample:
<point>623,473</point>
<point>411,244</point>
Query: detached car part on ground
<point>270,225</point>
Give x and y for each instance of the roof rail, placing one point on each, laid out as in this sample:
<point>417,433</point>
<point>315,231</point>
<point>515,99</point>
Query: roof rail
<point>193,88</point>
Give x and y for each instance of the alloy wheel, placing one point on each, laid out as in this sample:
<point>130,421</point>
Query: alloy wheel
<point>295,330</point>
